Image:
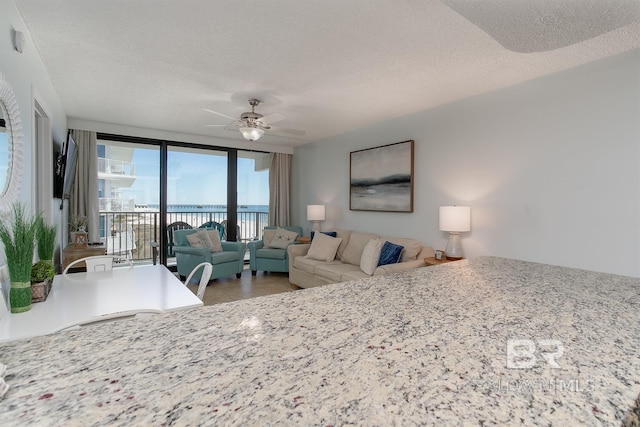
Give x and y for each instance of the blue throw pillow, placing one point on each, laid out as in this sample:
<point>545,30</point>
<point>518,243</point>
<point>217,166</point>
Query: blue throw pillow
<point>390,254</point>
<point>328,233</point>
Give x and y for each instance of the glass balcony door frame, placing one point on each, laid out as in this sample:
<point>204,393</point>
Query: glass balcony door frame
<point>232,181</point>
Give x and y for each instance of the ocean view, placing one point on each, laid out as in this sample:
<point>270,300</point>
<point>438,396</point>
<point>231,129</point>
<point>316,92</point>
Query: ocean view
<point>133,231</point>
<point>201,208</point>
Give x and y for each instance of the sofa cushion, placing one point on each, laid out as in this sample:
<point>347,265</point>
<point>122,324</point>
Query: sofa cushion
<point>283,238</point>
<point>308,265</point>
<point>271,253</point>
<point>370,256</point>
<point>335,271</point>
<point>200,239</point>
<point>390,253</point>
<point>344,235</point>
<point>222,257</point>
<point>323,247</point>
<point>411,247</point>
<point>357,241</point>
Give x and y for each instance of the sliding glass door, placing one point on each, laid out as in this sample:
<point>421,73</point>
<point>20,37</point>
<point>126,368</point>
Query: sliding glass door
<point>196,186</point>
<point>148,188</point>
<point>128,197</point>
<point>253,194</point>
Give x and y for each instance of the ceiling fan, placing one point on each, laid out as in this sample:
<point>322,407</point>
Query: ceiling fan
<point>252,125</point>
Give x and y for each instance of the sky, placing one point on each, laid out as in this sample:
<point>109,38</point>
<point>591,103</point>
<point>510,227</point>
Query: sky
<point>195,178</point>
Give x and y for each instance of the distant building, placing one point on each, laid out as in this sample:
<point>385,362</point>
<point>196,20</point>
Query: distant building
<point>115,172</point>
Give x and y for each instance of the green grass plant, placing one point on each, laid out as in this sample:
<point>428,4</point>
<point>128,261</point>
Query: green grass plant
<point>17,233</point>
<point>45,240</point>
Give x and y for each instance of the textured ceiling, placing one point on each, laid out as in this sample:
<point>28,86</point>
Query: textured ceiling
<point>328,66</point>
<point>541,25</point>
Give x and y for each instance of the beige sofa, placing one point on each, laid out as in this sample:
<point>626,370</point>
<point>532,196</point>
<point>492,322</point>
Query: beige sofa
<point>307,273</point>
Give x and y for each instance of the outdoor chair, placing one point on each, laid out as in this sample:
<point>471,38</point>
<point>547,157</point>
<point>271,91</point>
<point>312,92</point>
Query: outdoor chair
<point>217,226</point>
<point>225,224</point>
<point>171,228</point>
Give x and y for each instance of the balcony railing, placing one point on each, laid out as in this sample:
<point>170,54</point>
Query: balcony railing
<point>116,167</point>
<point>115,204</point>
<point>131,233</point>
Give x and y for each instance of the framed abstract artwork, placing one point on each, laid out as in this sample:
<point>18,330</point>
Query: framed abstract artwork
<point>381,178</point>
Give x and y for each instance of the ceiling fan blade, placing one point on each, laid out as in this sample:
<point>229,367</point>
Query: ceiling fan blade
<point>272,118</point>
<point>289,131</point>
<point>215,126</point>
<point>220,114</point>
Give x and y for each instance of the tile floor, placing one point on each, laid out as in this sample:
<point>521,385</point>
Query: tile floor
<point>248,286</point>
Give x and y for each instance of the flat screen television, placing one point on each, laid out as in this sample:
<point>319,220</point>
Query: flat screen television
<point>66,169</point>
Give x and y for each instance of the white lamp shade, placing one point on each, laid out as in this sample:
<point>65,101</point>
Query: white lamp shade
<point>315,212</point>
<point>251,134</point>
<point>455,218</point>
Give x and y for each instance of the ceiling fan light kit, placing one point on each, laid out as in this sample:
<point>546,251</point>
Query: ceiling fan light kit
<point>252,125</point>
<point>251,133</point>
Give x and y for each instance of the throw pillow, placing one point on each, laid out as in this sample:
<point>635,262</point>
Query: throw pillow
<point>411,247</point>
<point>357,241</point>
<point>323,247</point>
<point>390,253</point>
<point>328,233</point>
<point>200,239</point>
<point>283,238</point>
<point>370,256</point>
<point>268,236</point>
<point>216,245</point>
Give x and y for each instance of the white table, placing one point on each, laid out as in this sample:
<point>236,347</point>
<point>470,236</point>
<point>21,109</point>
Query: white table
<point>82,298</point>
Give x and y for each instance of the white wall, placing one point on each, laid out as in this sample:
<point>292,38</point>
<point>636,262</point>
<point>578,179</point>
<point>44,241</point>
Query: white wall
<point>28,78</point>
<point>550,168</point>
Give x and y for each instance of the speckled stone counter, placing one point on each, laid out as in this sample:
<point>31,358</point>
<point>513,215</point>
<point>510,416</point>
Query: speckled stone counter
<point>425,347</point>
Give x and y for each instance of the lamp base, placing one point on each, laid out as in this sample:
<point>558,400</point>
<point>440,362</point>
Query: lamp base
<point>316,226</point>
<point>454,246</point>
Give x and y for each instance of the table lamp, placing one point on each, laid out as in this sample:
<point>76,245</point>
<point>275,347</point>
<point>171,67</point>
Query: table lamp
<point>315,214</point>
<point>455,220</point>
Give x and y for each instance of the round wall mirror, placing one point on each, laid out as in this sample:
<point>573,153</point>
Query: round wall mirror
<point>10,147</point>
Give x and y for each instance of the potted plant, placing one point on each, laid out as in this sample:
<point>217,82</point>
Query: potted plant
<point>18,236</point>
<point>42,272</point>
<point>78,227</point>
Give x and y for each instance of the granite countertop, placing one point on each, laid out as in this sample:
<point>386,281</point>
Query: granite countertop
<point>424,347</point>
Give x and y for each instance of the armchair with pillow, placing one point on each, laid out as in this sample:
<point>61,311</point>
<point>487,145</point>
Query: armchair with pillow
<point>270,253</point>
<point>199,245</point>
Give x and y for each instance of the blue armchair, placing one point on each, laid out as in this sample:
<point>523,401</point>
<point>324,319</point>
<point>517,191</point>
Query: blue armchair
<point>226,263</point>
<point>270,259</point>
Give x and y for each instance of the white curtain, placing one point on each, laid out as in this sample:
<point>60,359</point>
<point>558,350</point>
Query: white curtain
<point>279,187</point>
<point>84,196</point>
